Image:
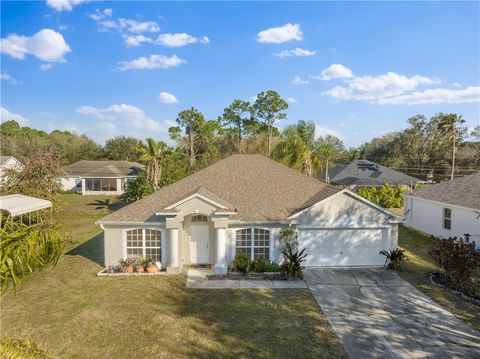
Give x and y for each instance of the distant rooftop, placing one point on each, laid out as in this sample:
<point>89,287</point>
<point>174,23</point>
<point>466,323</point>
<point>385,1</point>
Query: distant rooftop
<point>366,173</point>
<point>104,169</point>
<point>462,191</point>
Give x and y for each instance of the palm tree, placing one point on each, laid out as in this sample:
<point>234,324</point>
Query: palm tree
<point>297,148</point>
<point>449,126</point>
<point>154,155</point>
<point>329,148</point>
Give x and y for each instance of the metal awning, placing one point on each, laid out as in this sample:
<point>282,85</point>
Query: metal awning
<point>18,204</point>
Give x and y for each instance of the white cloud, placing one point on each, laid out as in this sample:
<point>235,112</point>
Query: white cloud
<point>297,80</point>
<point>64,5</point>
<point>456,84</point>
<point>129,26</point>
<point>281,34</point>
<point>324,131</point>
<point>124,116</point>
<point>46,45</point>
<point>6,115</point>
<point>45,67</point>
<point>369,88</point>
<point>151,62</point>
<point>335,71</point>
<point>298,52</point>
<point>100,14</point>
<point>165,97</point>
<point>179,40</point>
<point>135,40</point>
<point>292,100</point>
<point>435,96</point>
<point>6,77</point>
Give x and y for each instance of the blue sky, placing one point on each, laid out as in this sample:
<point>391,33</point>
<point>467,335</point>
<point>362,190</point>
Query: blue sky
<point>358,70</point>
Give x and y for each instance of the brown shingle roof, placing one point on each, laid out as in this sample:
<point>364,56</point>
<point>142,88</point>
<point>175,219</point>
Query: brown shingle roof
<point>462,191</point>
<point>103,168</point>
<point>259,188</point>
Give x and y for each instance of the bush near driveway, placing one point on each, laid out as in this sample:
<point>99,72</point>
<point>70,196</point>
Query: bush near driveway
<point>78,315</point>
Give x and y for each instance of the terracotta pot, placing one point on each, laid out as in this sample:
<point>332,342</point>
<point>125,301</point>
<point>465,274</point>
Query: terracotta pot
<point>152,268</point>
<point>139,269</point>
<point>128,269</point>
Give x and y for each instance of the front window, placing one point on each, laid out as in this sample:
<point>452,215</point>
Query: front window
<point>447,218</point>
<point>144,242</point>
<point>101,184</point>
<point>254,242</point>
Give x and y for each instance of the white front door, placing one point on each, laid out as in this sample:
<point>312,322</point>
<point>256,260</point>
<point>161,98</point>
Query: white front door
<point>199,244</point>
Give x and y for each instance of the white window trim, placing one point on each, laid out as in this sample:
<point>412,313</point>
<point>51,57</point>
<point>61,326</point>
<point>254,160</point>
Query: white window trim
<point>162,241</point>
<point>449,218</point>
<point>252,244</point>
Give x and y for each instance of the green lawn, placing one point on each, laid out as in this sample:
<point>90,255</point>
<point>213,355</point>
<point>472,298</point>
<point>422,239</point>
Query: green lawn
<point>78,315</point>
<point>418,267</point>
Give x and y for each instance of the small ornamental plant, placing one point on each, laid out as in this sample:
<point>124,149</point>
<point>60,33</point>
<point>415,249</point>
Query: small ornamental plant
<point>126,265</point>
<point>458,261</point>
<point>395,258</point>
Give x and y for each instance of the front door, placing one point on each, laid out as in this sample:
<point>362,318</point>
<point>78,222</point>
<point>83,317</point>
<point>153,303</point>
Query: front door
<point>199,244</point>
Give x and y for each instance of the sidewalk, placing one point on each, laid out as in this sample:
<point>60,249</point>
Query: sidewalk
<point>197,279</point>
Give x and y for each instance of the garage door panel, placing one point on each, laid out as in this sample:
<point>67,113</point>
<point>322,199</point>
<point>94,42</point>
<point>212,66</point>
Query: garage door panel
<point>343,247</point>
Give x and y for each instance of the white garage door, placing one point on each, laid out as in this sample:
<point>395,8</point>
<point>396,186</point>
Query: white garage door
<point>342,247</point>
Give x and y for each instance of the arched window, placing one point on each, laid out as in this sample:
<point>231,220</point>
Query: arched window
<point>254,242</point>
<point>144,242</point>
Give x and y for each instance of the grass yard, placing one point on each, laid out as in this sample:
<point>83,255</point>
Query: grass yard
<point>418,267</point>
<point>77,315</point>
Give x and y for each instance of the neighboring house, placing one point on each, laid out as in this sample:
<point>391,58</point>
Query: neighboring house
<point>446,209</point>
<point>240,204</point>
<point>363,173</point>
<point>99,177</point>
<point>8,162</point>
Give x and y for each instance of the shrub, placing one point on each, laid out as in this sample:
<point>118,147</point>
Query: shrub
<point>137,189</point>
<point>387,196</point>
<point>242,262</point>
<point>396,258</point>
<point>263,265</point>
<point>24,248</point>
<point>458,260</point>
<point>288,235</point>
<point>292,264</point>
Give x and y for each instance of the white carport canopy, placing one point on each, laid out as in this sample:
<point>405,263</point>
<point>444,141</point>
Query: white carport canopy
<point>18,204</point>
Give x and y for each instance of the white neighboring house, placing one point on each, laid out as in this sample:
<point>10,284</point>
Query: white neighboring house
<point>446,209</point>
<point>240,204</point>
<point>99,177</point>
<point>8,162</point>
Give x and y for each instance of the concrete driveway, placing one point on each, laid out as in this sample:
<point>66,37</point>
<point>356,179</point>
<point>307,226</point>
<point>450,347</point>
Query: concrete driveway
<point>377,314</point>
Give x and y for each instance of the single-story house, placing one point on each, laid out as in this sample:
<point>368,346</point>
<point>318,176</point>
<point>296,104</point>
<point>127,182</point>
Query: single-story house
<point>8,162</point>
<point>446,209</point>
<point>240,204</point>
<point>99,177</point>
<point>363,173</point>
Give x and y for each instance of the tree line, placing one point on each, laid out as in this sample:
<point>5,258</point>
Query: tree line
<point>426,149</point>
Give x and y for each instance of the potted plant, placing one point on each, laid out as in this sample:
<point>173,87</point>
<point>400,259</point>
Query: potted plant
<point>126,265</point>
<point>151,266</point>
<point>140,265</point>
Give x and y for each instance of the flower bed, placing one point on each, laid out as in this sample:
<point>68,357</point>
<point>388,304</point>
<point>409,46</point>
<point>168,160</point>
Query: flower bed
<point>438,280</point>
<point>248,276</point>
<point>116,271</point>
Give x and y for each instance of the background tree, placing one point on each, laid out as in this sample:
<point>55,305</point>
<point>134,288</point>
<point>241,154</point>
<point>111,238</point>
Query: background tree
<point>154,155</point>
<point>238,115</point>
<point>192,122</point>
<point>123,148</point>
<point>330,149</point>
<point>268,108</point>
<point>450,125</point>
<point>37,178</point>
<point>175,168</point>
<point>297,148</point>
<point>137,189</point>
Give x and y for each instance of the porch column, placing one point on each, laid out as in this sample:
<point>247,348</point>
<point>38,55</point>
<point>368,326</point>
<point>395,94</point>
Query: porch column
<point>220,265</point>
<point>173,234</point>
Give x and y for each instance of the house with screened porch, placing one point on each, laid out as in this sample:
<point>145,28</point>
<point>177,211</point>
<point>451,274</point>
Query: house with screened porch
<point>240,204</point>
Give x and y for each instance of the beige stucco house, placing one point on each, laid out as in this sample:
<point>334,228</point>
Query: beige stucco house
<point>240,204</point>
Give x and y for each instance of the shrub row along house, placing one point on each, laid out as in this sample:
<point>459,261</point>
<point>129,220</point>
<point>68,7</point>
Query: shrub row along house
<point>240,204</point>
<point>446,209</point>
<point>100,177</point>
